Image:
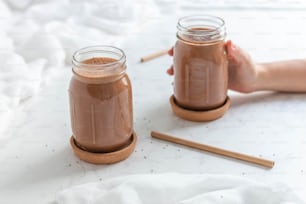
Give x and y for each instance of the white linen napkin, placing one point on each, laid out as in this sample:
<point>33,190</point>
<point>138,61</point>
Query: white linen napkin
<point>173,188</point>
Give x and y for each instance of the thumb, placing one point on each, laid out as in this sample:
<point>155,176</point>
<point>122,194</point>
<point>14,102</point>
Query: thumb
<point>230,48</point>
<point>232,51</point>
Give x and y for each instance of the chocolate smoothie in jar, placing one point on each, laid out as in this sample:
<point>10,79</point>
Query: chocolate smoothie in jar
<point>101,109</point>
<point>200,68</point>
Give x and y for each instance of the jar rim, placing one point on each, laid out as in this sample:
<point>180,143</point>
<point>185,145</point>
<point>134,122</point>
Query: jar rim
<point>214,24</point>
<point>201,17</point>
<point>98,49</point>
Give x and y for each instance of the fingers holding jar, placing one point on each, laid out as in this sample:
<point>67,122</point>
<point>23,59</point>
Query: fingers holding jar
<point>170,71</point>
<point>242,69</point>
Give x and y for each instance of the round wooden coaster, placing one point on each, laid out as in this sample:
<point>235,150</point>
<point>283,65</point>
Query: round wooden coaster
<point>199,116</point>
<point>104,158</point>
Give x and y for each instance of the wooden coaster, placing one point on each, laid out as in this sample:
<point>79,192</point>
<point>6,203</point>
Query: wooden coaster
<point>199,116</point>
<point>104,158</point>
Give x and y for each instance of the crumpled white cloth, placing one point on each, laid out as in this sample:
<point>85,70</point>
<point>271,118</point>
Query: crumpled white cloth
<point>174,188</point>
<point>38,38</point>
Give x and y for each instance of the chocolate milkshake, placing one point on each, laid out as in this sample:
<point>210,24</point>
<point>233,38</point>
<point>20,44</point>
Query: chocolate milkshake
<point>200,64</point>
<point>100,100</point>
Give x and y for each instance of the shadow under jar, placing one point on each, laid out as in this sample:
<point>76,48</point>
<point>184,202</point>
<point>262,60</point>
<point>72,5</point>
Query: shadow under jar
<point>100,100</point>
<point>200,63</point>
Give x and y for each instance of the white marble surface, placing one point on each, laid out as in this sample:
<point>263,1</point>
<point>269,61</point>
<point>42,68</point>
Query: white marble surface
<point>37,161</point>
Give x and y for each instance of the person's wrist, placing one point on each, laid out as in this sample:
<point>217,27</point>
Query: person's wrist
<point>260,80</point>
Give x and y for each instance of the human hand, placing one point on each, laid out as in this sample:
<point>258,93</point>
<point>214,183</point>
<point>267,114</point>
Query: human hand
<point>241,68</point>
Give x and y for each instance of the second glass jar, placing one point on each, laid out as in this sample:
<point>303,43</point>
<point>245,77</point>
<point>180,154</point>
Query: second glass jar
<point>200,63</point>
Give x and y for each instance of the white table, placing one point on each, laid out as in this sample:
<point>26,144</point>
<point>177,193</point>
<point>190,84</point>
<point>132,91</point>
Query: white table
<point>38,162</point>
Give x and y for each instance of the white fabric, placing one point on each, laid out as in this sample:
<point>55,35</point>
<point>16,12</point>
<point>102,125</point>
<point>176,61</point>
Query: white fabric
<point>177,189</point>
<point>39,37</point>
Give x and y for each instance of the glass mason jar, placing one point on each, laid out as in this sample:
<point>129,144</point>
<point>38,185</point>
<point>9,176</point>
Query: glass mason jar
<point>100,96</point>
<point>200,63</point>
